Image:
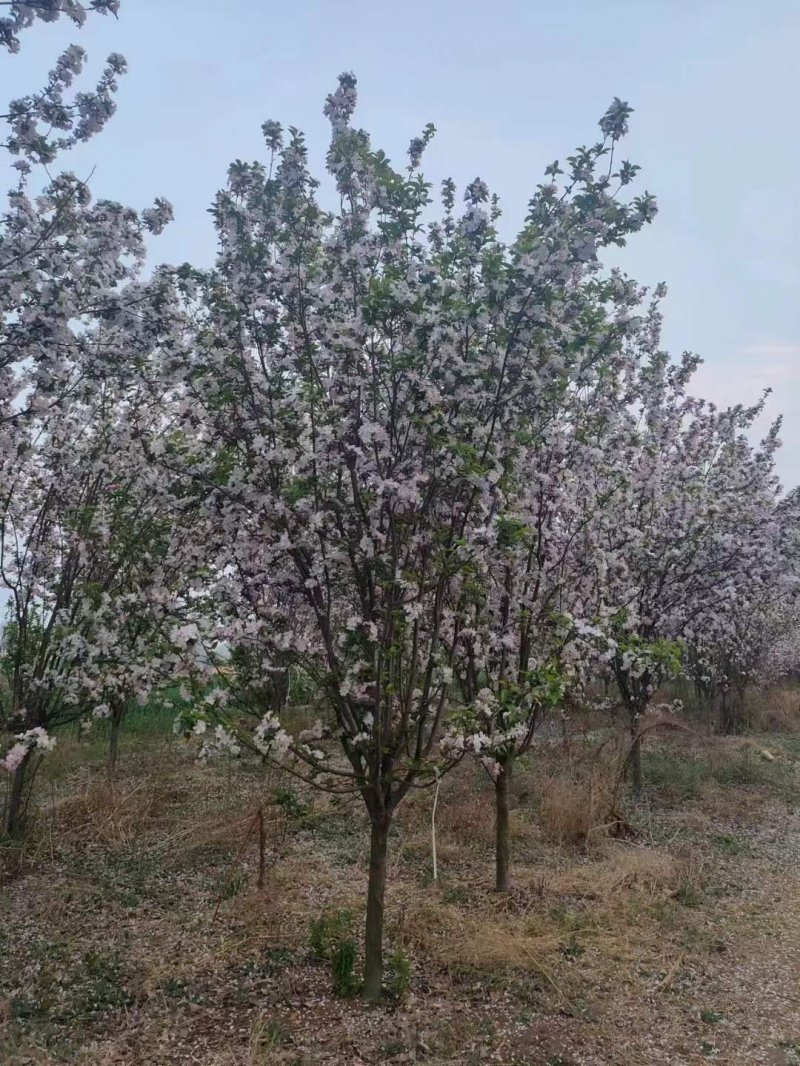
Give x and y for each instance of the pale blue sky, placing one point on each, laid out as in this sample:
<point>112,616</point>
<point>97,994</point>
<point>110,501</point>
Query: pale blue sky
<point>510,85</point>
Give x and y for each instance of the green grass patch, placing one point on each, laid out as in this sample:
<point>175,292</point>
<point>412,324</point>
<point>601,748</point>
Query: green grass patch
<point>688,894</point>
<point>678,778</point>
<point>747,768</point>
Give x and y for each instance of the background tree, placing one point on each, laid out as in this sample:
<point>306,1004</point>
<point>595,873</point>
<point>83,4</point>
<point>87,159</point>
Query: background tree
<point>72,306</point>
<point>531,633</point>
<point>84,557</point>
<point>686,534</point>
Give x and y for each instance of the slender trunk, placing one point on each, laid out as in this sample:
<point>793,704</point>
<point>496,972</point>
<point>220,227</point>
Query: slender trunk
<point>113,739</point>
<point>279,691</point>
<point>433,828</point>
<point>636,762</point>
<point>15,817</point>
<point>727,714</point>
<point>740,719</point>
<point>502,841</point>
<point>635,757</point>
<point>635,696</point>
<point>262,847</point>
<point>709,703</point>
<point>373,934</point>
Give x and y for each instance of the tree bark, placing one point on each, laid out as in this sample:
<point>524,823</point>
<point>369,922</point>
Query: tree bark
<point>502,836</point>
<point>115,725</point>
<point>15,818</point>
<point>709,706</point>
<point>637,779</point>
<point>727,714</point>
<point>373,934</point>
<point>262,848</point>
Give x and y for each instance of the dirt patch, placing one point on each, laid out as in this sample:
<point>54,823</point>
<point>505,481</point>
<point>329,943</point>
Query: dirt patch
<point>134,930</point>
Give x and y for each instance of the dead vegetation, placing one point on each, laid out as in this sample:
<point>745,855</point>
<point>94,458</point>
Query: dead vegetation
<point>581,805</point>
<point>777,711</point>
<point>133,929</point>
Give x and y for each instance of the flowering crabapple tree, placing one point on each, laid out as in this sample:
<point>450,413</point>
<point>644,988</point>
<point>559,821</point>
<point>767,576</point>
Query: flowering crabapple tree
<point>756,643</point>
<point>136,587</point>
<point>85,552</point>
<point>686,532</point>
<point>72,306</point>
<point>361,379</point>
<point>760,648</point>
<point>529,638</point>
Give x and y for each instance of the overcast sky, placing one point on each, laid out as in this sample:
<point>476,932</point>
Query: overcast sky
<point>510,86</point>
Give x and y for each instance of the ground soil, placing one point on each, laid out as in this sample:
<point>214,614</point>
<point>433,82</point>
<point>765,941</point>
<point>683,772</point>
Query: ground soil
<point>133,930</point>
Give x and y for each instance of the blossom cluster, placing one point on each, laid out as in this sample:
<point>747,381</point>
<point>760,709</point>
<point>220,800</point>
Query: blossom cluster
<point>35,739</point>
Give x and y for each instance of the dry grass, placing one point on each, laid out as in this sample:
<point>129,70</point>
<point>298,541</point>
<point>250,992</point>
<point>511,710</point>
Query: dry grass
<point>578,809</point>
<point>112,815</point>
<point>267,1035</point>
<point>646,872</point>
<point>578,792</point>
<point>467,821</point>
<point>140,936</point>
<point>775,711</point>
<point>526,930</point>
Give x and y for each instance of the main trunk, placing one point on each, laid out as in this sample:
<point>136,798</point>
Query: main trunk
<point>373,934</point>
<point>15,818</point>
<point>113,739</point>
<point>635,694</point>
<point>727,714</point>
<point>635,756</point>
<point>709,707</point>
<point>279,693</point>
<point>502,836</point>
